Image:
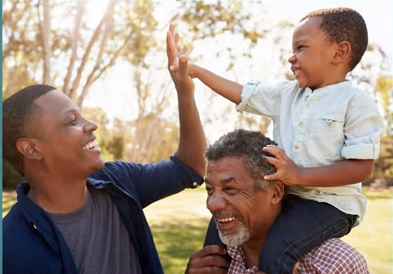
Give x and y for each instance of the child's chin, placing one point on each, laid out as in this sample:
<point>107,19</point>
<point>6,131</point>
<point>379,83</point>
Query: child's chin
<point>301,84</point>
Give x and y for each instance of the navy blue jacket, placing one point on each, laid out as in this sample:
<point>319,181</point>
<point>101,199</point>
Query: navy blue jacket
<point>33,244</point>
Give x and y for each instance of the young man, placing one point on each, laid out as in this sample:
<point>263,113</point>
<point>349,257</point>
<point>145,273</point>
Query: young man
<point>75,213</point>
<point>235,189</point>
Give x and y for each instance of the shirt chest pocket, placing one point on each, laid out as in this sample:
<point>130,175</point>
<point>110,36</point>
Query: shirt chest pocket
<point>328,132</point>
<point>328,124</point>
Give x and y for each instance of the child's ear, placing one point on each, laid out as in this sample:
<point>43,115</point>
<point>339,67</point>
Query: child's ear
<point>29,148</point>
<point>343,53</point>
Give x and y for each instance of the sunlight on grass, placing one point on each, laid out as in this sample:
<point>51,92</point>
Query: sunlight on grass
<point>373,237</point>
<point>179,222</point>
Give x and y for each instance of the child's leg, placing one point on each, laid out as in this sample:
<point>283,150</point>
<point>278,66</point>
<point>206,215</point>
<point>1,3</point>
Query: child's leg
<point>301,226</point>
<point>212,237</point>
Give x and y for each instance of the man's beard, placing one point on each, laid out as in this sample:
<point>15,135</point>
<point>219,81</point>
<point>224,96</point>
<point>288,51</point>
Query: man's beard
<point>237,238</point>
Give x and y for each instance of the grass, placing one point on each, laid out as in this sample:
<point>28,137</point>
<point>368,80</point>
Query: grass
<point>373,237</point>
<point>179,223</point>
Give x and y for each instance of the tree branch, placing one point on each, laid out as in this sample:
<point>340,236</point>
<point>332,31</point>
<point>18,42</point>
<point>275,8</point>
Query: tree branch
<point>74,48</point>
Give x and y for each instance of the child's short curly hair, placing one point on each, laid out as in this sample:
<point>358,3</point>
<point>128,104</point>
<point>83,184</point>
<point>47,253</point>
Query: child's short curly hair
<point>344,24</point>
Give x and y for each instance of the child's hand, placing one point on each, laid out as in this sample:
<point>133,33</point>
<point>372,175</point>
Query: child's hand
<point>193,70</point>
<point>287,171</point>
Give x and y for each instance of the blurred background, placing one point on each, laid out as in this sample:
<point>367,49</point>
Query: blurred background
<point>109,57</point>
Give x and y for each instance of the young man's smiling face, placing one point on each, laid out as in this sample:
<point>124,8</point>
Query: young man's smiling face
<point>312,57</point>
<point>240,209</point>
<point>66,140</point>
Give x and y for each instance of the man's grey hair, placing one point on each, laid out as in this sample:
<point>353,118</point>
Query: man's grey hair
<point>247,144</point>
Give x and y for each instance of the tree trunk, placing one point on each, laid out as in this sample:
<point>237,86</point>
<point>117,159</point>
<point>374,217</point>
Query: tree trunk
<point>74,46</point>
<point>46,42</point>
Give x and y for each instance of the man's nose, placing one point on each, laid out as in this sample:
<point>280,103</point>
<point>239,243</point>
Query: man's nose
<point>89,126</point>
<point>216,202</point>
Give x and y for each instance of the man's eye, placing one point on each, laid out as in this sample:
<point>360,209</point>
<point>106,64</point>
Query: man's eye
<point>71,122</point>
<point>231,190</point>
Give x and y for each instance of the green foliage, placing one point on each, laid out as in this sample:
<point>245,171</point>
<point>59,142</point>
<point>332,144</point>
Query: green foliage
<point>209,19</point>
<point>384,87</point>
<point>115,146</point>
<point>383,166</point>
<point>11,178</point>
<point>167,145</point>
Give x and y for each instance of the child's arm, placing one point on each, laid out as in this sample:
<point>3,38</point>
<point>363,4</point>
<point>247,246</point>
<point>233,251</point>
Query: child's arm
<point>342,173</point>
<point>224,87</point>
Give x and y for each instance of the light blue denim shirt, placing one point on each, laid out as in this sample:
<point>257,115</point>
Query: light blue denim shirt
<point>320,128</point>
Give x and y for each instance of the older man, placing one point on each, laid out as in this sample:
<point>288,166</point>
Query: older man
<point>245,207</point>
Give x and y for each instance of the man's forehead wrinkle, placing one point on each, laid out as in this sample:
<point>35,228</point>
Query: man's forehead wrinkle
<point>220,181</point>
<point>229,180</point>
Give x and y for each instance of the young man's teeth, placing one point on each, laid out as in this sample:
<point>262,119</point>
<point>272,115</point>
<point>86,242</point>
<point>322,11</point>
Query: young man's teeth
<point>91,144</point>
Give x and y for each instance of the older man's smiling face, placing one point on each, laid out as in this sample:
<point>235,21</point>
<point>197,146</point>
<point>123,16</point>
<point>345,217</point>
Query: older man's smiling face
<point>240,209</point>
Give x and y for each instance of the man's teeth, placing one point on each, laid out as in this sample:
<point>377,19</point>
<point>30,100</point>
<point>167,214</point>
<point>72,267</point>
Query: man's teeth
<point>90,145</point>
<point>296,72</point>
<point>223,220</point>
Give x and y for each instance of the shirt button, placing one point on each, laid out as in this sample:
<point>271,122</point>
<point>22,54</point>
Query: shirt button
<point>194,183</point>
<point>307,105</point>
<point>296,147</point>
<point>301,124</point>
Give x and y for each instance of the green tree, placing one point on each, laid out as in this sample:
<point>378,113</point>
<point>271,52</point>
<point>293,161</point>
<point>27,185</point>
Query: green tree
<point>115,146</point>
<point>383,167</point>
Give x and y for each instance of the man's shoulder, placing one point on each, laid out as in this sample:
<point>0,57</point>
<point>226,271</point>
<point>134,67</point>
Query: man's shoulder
<point>333,256</point>
<point>11,220</point>
<point>335,246</point>
<point>20,241</point>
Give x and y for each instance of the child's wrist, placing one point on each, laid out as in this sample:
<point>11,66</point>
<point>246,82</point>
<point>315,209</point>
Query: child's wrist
<point>193,70</point>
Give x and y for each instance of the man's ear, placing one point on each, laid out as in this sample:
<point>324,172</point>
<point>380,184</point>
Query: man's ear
<point>343,53</point>
<point>278,192</point>
<point>29,148</point>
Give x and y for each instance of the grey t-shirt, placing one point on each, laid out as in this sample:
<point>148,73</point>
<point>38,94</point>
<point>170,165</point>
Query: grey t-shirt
<point>98,238</point>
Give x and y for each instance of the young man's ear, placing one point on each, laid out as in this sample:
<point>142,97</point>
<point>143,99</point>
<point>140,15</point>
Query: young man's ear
<point>278,192</point>
<point>28,147</point>
<point>343,52</point>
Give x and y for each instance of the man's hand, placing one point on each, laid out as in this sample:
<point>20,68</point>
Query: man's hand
<point>287,171</point>
<point>178,61</point>
<point>192,140</point>
<point>208,260</point>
